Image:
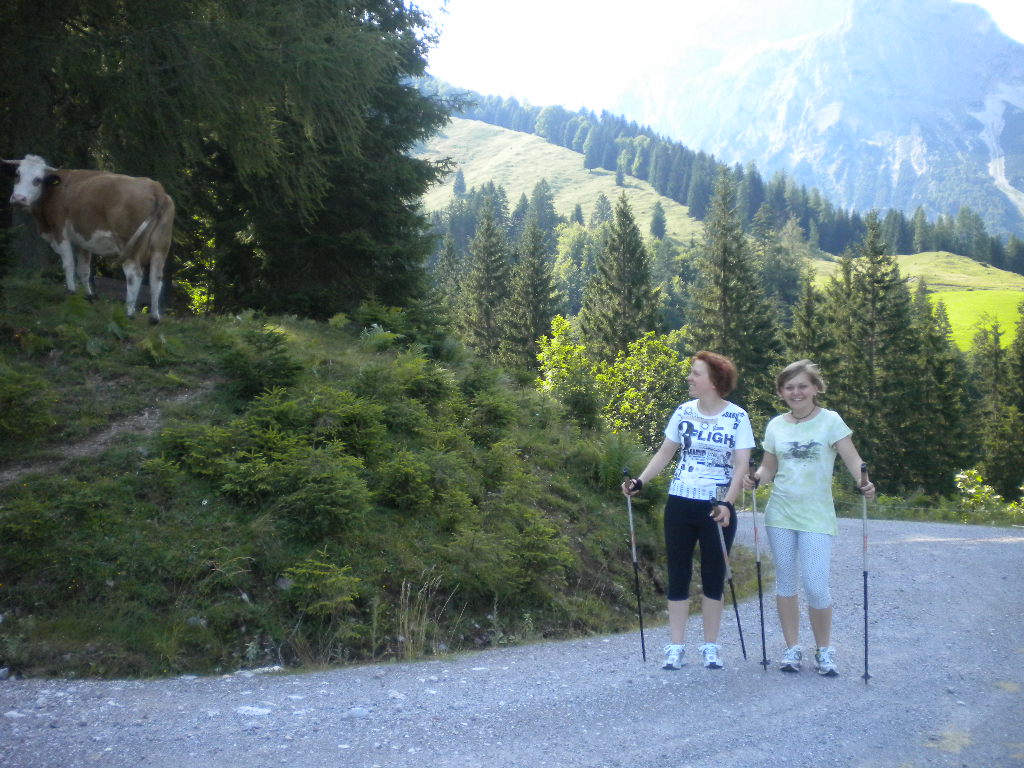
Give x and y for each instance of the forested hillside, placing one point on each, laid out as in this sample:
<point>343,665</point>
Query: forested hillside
<point>763,296</point>
<point>610,142</point>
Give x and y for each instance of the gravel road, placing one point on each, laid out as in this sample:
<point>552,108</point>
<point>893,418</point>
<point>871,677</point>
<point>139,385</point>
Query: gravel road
<point>947,664</point>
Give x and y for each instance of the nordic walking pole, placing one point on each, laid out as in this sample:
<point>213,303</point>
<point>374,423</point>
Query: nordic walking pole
<point>636,568</point>
<point>864,515</point>
<point>757,555</point>
<point>732,589</point>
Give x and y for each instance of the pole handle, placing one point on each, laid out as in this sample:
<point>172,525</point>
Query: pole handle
<point>863,474</point>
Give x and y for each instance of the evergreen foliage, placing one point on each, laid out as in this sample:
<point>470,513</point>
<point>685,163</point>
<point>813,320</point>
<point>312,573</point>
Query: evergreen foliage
<point>282,131</point>
<point>486,286</point>
<point>872,324</point>
<point>610,142</point>
<point>292,527</point>
<point>657,228</point>
<point>731,315</point>
<point>620,302</point>
<point>527,313</point>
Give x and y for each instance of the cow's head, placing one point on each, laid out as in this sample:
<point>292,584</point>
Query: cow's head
<point>32,175</point>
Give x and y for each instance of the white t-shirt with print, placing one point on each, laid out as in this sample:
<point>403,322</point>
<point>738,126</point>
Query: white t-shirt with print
<point>802,492</point>
<point>707,444</point>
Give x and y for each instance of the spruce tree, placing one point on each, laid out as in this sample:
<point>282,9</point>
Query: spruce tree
<point>658,221</point>
<point>808,336</point>
<point>542,210</point>
<point>459,184</point>
<point>999,421</point>
<point>937,418</point>
<point>526,315</point>
<point>875,340</point>
<point>620,302</point>
<point>602,213</point>
<point>1016,362</point>
<point>487,285</point>
<point>731,314</point>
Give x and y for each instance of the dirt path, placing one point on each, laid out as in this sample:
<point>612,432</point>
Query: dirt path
<point>146,422</point>
<point>947,659</point>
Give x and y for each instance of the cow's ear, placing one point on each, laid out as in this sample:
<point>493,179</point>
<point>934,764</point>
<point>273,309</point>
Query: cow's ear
<point>51,180</point>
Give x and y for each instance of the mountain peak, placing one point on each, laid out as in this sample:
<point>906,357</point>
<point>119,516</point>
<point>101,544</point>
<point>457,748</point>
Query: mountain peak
<point>907,103</point>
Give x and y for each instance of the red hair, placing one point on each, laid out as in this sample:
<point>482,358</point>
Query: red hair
<point>721,370</point>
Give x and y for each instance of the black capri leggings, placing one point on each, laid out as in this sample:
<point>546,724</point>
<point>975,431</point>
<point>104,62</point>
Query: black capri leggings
<point>688,521</point>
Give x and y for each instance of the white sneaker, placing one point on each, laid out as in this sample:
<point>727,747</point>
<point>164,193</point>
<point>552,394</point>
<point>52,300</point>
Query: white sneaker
<point>791,659</point>
<point>825,661</point>
<point>675,656</point>
<point>710,653</point>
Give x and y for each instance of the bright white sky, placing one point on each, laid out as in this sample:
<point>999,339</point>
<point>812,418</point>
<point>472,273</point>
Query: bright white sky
<point>582,53</point>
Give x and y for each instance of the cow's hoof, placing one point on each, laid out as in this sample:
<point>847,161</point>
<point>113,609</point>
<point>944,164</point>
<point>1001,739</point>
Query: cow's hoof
<point>153,320</point>
<point>91,297</point>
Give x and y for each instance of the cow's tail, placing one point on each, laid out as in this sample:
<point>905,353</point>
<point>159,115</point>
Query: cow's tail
<point>139,239</point>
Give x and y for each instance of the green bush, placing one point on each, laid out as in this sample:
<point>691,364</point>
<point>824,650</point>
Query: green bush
<point>258,361</point>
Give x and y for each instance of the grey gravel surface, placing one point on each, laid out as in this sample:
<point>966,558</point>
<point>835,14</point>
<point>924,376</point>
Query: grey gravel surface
<point>946,654</point>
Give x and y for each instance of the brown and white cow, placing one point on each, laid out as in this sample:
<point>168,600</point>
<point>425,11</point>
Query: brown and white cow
<point>81,213</point>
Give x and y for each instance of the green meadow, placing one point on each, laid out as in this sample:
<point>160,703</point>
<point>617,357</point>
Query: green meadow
<point>517,161</point>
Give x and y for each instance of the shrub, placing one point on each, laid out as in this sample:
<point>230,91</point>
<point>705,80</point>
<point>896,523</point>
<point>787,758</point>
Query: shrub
<point>403,482</point>
<point>258,361</point>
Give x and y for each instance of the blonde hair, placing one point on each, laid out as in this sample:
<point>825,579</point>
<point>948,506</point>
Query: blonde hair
<point>793,370</point>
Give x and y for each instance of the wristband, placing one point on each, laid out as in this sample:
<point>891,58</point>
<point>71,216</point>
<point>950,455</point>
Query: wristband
<point>727,504</point>
<point>638,484</point>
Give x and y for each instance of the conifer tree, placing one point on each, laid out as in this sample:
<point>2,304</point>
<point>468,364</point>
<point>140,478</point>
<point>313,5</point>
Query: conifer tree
<point>939,401</point>
<point>449,272</point>
<point>602,213</point>
<point>577,215</point>
<point>874,339</point>
<point>620,302</point>
<point>517,220</point>
<point>574,265</point>
<point>658,221</point>
<point>1016,362</point>
<point>486,286</point>
<point>999,421</point>
<point>808,337</point>
<point>459,184</point>
<point>921,236</point>
<point>527,314</point>
<point>731,314</point>
<point>542,210</point>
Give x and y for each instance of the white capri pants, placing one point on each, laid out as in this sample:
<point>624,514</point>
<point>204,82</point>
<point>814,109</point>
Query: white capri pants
<point>808,554</point>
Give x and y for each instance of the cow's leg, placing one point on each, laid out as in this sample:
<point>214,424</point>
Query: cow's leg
<point>133,279</point>
<point>67,260</point>
<point>156,285</point>
<point>85,273</point>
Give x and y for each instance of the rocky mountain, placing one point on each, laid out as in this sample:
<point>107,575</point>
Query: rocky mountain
<point>906,103</point>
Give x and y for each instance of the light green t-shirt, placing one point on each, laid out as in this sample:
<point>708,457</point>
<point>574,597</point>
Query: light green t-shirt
<point>802,492</point>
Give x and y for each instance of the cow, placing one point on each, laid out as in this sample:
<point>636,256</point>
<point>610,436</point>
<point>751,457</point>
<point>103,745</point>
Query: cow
<point>81,213</point>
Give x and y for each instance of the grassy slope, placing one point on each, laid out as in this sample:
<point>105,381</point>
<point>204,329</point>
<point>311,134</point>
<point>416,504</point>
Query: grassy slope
<point>430,506</point>
<point>973,293</point>
<point>517,161</point>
